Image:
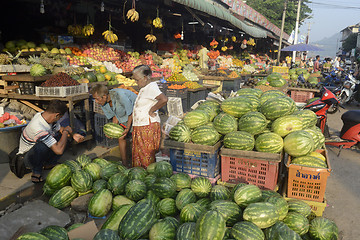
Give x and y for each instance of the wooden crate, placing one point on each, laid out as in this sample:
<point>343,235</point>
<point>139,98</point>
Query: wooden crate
<point>5,88</point>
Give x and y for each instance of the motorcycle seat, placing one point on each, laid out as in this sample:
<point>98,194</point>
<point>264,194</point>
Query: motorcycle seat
<point>351,116</point>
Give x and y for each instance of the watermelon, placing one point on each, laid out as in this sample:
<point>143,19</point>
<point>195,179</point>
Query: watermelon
<point>219,192</point>
<point>152,197</point>
<point>186,231</point>
<point>281,205</point>
<point>268,193</point>
<point>323,229</point>
<point>63,197</point>
<point>32,236</point>
<point>164,187</point>
<point>109,170</point>
<point>320,135</point>
<point>81,181</point>
<point>149,180</point>
<point>73,226</point>
<point>138,173</point>
<point>74,165</point>
<point>167,207</point>
<point>182,181</point>
<point>94,170</point>
<point>211,111</point>
<point>121,200</point>
<point>135,190</point>
<point>281,231</point>
<point>309,161</point>
<point>201,186</point>
<point>185,197</point>
<point>269,142</point>
<point>180,133</point>
<point>299,206</point>
<point>115,218</point>
<point>83,159</point>
<point>315,135</point>
<point>298,143</point>
<point>190,212</point>
<point>48,191</point>
<point>163,169</point>
<point>247,194</point>
<point>59,176</point>
<point>255,101</point>
<point>286,124</point>
<point>162,230</point>
<point>237,106</point>
<point>270,94</point>
<point>225,123</point>
<point>138,220</point>
<point>173,221</point>
<point>307,117</point>
<point>262,214</point>
<point>102,162</point>
<point>196,118</point>
<point>236,187</point>
<point>230,211</point>
<point>107,234</point>
<point>247,231</point>
<point>239,140</point>
<point>100,203</point>
<point>250,91</point>
<point>253,122</point>
<point>116,183</point>
<point>297,222</point>
<point>204,203</point>
<point>274,108</point>
<point>53,232</point>
<point>318,155</point>
<point>210,225</point>
<point>210,103</point>
<point>151,168</point>
<point>205,135</point>
<point>98,185</point>
<point>113,130</point>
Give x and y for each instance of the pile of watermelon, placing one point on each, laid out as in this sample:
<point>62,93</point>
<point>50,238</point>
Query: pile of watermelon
<point>157,204</point>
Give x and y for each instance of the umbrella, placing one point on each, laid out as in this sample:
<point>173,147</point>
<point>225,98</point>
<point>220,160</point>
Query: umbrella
<point>301,47</point>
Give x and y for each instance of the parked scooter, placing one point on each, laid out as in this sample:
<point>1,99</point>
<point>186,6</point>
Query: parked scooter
<point>348,90</point>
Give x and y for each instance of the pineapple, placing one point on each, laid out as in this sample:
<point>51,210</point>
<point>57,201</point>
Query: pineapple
<point>4,58</point>
<point>22,61</point>
<point>34,59</point>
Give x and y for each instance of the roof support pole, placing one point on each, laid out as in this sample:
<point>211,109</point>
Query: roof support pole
<point>296,29</point>
<point>282,30</point>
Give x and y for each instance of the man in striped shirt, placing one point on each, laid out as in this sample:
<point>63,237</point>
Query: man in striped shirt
<point>43,140</point>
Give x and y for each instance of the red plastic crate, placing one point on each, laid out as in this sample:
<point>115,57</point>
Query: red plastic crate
<point>301,96</point>
<point>257,168</point>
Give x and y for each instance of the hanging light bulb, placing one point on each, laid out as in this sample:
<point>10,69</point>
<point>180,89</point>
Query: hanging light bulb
<point>42,7</point>
<point>102,8</point>
<point>182,31</point>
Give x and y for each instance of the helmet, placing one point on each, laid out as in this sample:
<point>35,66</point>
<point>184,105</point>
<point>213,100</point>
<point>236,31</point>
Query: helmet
<point>333,74</point>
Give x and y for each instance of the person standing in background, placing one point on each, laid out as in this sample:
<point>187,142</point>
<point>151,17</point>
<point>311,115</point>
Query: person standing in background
<point>317,64</point>
<point>146,119</point>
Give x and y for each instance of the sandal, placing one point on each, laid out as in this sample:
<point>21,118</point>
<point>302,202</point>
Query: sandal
<point>37,179</point>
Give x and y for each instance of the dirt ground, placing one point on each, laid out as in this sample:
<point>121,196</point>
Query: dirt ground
<point>343,186</point>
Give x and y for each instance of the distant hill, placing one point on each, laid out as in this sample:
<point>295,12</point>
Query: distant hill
<point>329,44</point>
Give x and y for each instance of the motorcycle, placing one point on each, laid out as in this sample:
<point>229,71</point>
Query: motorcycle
<point>331,79</point>
<point>348,90</point>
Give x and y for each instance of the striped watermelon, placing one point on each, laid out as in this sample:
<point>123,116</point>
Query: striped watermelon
<point>48,191</point>
<point>196,118</point>
<point>270,94</point>
<point>185,197</point>
<point>219,192</point>
<point>286,124</point>
<point>262,214</point>
<point>205,135</point>
<point>245,230</point>
<point>281,205</point>
<point>53,232</point>
<point>173,221</point>
<point>253,122</point>
<point>98,185</point>
<point>307,117</point>
<point>211,111</point>
<point>239,140</point>
<point>250,91</point>
<point>180,133</point>
<point>83,159</point>
<point>211,103</point>
<point>151,168</point>
<point>167,207</point>
<point>254,100</point>
<point>32,236</point>
<point>210,225</point>
<point>309,161</point>
<point>115,218</point>
<point>94,170</point>
<point>186,231</point>
<point>164,187</point>
<point>59,176</point>
<point>121,168</point>
<point>120,201</point>
<point>107,234</point>
<point>299,206</point>
<point>238,106</point>
<point>297,222</point>
<point>74,165</point>
<point>100,203</point>
<point>135,190</point>
<point>190,212</point>
<point>149,180</point>
<point>204,203</point>
<point>298,143</point>
<point>320,135</point>
<point>230,211</point>
<point>138,220</point>
<point>269,142</point>
<point>236,187</point>
<point>163,169</point>
<point>73,226</point>
<point>63,197</point>
<point>316,137</point>
<point>182,181</point>
<point>201,186</point>
<point>113,130</point>
<point>247,194</point>
<point>81,181</point>
<point>109,170</point>
<point>162,230</point>
<point>116,183</point>
<point>152,197</point>
<point>323,229</point>
<point>268,193</point>
<point>102,162</point>
<point>225,123</point>
<point>277,107</point>
<point>138,173</point>
<point>281,231</point>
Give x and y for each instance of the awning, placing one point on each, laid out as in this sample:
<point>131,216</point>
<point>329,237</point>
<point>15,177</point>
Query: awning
<point>207,7</point>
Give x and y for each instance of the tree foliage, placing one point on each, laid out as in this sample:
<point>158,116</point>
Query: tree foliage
<point>350,42</point>
<point>273,10</point>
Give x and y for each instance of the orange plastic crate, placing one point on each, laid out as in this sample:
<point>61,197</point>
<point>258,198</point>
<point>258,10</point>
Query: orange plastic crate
<point>307,183</point>
<point>257,168</point>
<point>301,96</point>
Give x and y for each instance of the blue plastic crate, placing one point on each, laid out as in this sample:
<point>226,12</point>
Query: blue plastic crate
<point>195,162</point>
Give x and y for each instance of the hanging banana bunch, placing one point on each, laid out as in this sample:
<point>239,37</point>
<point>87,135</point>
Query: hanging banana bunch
<point>132,14</point>
<point>150,37</point>
<point>88,30</point>
<point>109,35</point>
<point>157,22</point>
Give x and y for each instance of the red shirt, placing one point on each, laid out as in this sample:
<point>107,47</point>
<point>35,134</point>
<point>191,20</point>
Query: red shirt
<point>316,66</point>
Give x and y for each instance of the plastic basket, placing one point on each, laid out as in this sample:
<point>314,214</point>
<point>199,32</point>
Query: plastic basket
<point>194,159</point>
<point>100,138</point>
<point>97,108</point>
<point>257,168</point>
<point>194,96</point>
<point>61,91</point>
<point>27,88</point>
<point>301,96</point>
<point>175,107</point>
<point>282,70</point>
<point>181,93</point>
<point>307,183</point>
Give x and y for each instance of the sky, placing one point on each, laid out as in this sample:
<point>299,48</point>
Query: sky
<point>330,17</point>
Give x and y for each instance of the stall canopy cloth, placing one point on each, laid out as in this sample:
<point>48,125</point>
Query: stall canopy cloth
<point>224,14</point>
<point>301,47</point>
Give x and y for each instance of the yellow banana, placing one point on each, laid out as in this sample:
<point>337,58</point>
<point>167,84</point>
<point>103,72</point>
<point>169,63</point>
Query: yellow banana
<point>130,13</point>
